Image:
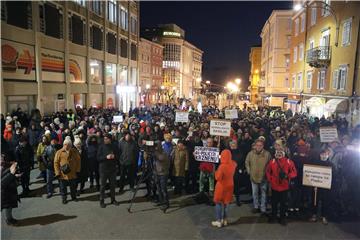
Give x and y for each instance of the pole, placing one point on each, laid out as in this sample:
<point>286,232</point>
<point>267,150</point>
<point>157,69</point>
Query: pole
<point>315,197</point>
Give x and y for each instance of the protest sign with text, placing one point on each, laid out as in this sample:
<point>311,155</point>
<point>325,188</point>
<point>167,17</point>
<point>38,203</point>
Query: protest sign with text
<point>231,114</point>
<point>220,128</point>
<point>328,134</point>
<point>181,116</point>
<point>206,154</point>
<point>317,176</point>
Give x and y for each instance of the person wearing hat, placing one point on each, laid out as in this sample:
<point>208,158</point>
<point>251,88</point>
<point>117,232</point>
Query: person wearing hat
<point>83,174</point>
<point>23,154</point>
<point>279,172</point>
<point>67,165</point>
<point>92,148</point>
<point>39,156</point>
<point>108,156</point>
<point>48,157</point>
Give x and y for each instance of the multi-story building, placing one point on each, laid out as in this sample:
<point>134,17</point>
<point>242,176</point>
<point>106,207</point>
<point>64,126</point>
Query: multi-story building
<point>325,58</point>
<point>275,54</point>
<point>150,78</point>
<point>67,54</point>
<point>182,61</point>
<point>254,78</point>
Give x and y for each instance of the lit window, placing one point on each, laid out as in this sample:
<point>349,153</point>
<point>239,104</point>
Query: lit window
<point>112,11</point>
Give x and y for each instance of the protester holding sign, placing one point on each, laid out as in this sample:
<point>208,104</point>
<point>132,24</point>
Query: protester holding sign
<point>323,194</point>
<point>207,170</point>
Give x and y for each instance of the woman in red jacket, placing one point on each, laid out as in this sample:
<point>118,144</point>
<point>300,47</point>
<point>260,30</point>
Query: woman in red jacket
<point>224,188</point>
<point>279,171</point>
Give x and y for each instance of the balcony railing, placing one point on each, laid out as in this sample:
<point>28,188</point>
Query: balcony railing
<point>319,57</point>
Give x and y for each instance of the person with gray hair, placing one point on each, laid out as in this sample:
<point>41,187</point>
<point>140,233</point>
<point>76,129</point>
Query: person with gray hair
<point>67,165</point>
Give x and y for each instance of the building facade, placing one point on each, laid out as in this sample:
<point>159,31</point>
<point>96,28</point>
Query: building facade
<point>182,61</point>
<point>150,78</point>
<point>69,54</point>
<point>275,54</point>
<point>325,71</point>
<point>254,78</point>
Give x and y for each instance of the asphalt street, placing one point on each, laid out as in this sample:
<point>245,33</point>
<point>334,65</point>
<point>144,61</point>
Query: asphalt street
<point>41,218</point>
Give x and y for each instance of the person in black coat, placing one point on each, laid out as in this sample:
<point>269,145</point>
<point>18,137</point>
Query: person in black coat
<point>24,155</point>
<point>92,148</point>
<point>191,177</point>
<point>107,156</point>
<point>9,195</point>
<point>240,166</point>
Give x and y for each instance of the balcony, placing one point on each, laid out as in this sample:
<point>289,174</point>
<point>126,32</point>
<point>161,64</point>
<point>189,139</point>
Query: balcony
<point>319,57</point>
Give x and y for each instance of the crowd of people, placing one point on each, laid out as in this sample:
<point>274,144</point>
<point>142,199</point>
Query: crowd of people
<point>264,155</point>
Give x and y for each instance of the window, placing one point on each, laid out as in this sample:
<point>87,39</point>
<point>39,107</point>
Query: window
<point>96,37</point>
<point>112,11</point>
<point>295,54</point>
<point>17,13</point>
<point>288,41</point>
<point>133,25</point>
<point>111,43</point>
<point>301,51</point>
<point>309,76</point>
<point>77,30</point>
<point>325,10</point>
<point>299,81</point>
<point>96,7</point>
<point>311,44</point>
<point>96,71</point>
<point>51,20</point>
<point>123,18</point>
<point>303,19</point>
<point>346,33</point>
<point>293,81</point>
<point>296,27</point>
<point>133,52</point>
<point>321,79</point>
<point>313,14</point>
<point>123,48</point>
<point>339,78</point>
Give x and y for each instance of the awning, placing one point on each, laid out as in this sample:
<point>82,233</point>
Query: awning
<point>292,101</point>
<point>336,105</point>
<point>314,101</point>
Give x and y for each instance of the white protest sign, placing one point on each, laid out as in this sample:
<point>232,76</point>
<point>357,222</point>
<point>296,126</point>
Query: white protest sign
<point>317,176</point>
<point>182,117</point>
<point>231,114</point>
<point>149,143</point>
<point>220,128</point>
<point>175,140</point>
<point>118,119</point>
<point>328,134</point>
<point>206,154</point>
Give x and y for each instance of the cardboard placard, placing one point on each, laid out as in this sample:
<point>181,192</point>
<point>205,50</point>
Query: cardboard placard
<point>118,119</point>
<point>220,128</point>
<point>206,154</point>
<point>181,117</point>
<point>317,176</point>
<point>328,134</point>
<point>231,114</point>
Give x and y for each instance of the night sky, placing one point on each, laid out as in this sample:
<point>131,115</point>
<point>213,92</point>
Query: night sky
<point>225,31</point>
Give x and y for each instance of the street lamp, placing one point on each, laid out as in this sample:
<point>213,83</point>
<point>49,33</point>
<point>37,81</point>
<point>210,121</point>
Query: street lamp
<point>162,87</point>
<point>147,86</point>
<point>325,6</point>
<point>238,81</point>
<point>207,82</point>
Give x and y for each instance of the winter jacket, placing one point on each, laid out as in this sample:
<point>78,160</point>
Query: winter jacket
<point>107,165</point>
<point>181,162</point>
<point>255,164</point>
<point>9,195</point>
<point>24,156</point>
<point>84,164</point>
<point>39,156</point>
<point>34,137</point>
<point>49,156</point>
<point>162,163</point>
<point>72,158</point>
<point>224,176</point>
<point>128,152</point>
<point>168,148</point>
<point>8,133</point>
<point>273,171</point>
